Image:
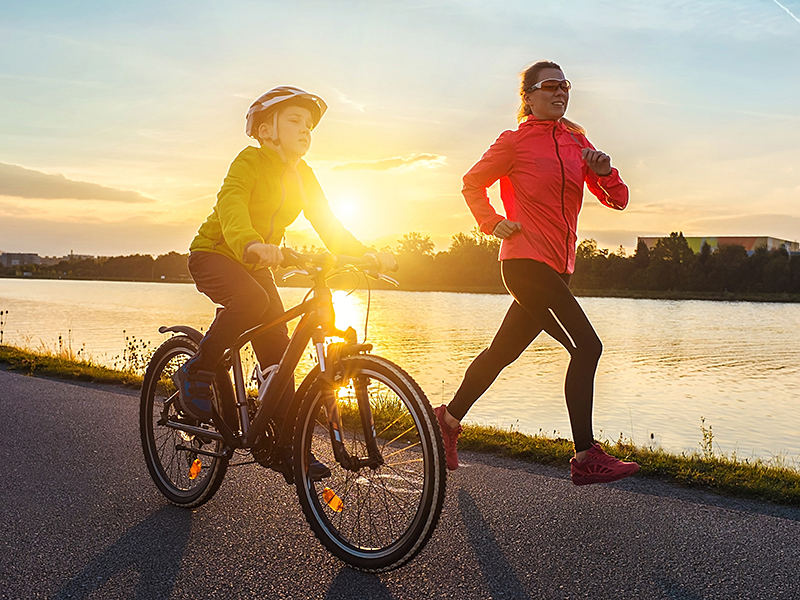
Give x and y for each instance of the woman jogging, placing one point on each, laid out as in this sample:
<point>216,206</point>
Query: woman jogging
<point>542,167</point>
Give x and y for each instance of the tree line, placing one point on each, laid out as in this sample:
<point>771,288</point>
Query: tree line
<point>136,267</point>
<point>671,265</point>
<point>470,263</point>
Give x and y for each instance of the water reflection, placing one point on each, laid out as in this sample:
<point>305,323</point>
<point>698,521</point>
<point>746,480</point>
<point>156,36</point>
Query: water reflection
<point>665,363</point>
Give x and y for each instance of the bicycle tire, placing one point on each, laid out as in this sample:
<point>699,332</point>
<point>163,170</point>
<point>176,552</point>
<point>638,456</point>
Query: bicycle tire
<point>385,516</point>
<point>168,466</point>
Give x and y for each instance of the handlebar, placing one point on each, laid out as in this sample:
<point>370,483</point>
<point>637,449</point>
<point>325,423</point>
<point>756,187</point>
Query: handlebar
<point>327,262</point>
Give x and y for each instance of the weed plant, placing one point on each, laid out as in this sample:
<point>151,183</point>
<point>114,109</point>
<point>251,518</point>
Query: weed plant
<point>135,356</point>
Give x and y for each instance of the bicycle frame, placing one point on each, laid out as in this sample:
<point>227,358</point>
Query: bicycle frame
<point>317,322</point>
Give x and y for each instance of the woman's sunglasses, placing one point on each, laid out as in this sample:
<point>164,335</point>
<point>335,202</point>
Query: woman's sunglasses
<point>551,85</point>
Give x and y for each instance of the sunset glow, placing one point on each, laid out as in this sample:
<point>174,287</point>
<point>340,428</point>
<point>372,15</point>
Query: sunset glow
<point>116,132</point>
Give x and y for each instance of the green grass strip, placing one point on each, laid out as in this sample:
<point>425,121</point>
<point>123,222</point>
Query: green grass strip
<point>749,478</point>
<point>62,366</point>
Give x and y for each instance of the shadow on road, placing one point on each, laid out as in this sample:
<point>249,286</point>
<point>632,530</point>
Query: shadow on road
<point>675,591</point>
<point>154,549</point>
<point>655,486</point>
<point>347,580</point>
<point>497,572</point>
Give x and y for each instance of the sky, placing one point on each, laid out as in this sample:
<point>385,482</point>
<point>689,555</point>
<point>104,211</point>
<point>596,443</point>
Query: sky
<point>118,121</point>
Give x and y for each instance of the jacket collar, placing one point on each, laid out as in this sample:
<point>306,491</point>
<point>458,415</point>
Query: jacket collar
<point>276,156</point>
<point>544,124</point>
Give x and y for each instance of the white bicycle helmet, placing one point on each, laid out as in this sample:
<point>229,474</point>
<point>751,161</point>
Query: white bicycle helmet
<point>285,93</point>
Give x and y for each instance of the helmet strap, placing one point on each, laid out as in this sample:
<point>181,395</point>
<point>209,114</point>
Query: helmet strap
<point>275,139</point>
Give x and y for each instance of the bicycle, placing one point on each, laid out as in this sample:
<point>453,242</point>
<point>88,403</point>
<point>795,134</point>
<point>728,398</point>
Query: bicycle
<point>360,414</point>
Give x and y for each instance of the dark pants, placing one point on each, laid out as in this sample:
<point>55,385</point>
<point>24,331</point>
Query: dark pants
<point>539,293</point>
<point>248,298</point>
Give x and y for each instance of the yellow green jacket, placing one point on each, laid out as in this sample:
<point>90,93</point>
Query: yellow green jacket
<point>261,196</point>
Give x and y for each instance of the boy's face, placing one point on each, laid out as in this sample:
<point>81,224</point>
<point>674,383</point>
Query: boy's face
<point>294,130</point>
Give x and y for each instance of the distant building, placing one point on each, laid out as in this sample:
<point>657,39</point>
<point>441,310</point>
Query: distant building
<point>749,242</point>
<point>71,257</point>
<point>17,259</point>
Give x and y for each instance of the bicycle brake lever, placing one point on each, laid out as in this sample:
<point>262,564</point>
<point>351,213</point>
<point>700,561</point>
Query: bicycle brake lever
<point>294,272</point>
<point>388,279</point>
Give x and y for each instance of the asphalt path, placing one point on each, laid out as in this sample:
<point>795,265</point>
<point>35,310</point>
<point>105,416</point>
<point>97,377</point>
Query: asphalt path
<point>80,518</point>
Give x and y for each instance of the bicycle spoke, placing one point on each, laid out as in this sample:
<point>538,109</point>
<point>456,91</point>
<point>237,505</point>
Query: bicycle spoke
<point>401,450</point>
<point>170,467</point>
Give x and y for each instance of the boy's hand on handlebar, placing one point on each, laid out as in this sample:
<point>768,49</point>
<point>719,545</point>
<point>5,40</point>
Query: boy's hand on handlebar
<point>266,255</point>
<point>505,229</point>
<point>386,261</point>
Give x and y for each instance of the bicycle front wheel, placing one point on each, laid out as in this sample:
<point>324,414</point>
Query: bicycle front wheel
<point>186,477</point>
<point>374,519</point>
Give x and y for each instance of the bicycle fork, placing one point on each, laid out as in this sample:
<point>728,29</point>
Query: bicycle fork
<point>329,364</point>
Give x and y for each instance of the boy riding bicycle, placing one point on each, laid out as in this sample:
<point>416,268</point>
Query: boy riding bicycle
<point>265,190</point>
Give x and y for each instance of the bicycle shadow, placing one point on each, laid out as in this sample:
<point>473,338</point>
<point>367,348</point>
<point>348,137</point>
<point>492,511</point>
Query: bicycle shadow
<point>369,586</point>
<point>154,549</point>
<point>498,574</point>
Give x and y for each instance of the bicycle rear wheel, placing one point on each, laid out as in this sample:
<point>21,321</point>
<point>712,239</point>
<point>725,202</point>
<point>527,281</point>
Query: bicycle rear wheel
<point>372,519</point>
<point>184,476</point>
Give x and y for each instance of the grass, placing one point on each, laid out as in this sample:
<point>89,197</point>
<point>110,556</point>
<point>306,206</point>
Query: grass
<point>757,479</point>
<point>728,475</point>
<point>65,365</point>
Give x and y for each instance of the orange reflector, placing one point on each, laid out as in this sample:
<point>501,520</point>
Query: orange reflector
<point>332,500</point>
<point>194,470</point>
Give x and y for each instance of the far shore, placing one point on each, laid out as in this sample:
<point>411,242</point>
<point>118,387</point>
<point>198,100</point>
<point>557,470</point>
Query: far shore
<point>632,294</point>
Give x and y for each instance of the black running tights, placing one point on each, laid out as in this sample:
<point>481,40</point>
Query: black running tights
<point>542,302</point>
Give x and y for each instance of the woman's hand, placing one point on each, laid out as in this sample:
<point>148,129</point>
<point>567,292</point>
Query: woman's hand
<point>266,255</point>
<point>385,260</point>
<point>505,229</point>
<point>599,162</point>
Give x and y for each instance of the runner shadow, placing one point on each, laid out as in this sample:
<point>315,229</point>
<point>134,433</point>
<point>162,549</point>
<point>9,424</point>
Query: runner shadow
<point>497,572</point>
<point>347,580</point>
<point>154,549</point>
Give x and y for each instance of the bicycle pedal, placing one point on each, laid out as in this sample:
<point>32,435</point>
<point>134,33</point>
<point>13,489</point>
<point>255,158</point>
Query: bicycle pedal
<point>285,470</point>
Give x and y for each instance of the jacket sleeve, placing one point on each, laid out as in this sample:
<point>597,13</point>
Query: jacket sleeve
<point>497,162</point>
<point>610,190</point>
<point>317,210</point>
<point>233,206</point>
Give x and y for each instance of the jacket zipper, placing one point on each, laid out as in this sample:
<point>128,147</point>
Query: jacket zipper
<point>280,206</point>
<point>563,206</point>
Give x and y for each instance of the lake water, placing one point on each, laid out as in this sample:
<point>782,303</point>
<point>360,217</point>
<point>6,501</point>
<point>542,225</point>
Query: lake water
<point>665,364</point>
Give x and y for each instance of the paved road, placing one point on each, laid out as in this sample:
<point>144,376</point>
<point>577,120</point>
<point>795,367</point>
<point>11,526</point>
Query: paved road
<point>80,518</point>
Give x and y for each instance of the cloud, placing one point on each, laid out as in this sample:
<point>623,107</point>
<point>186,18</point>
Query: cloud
<point>26,183</point>
<point>430,161</point>
<point>346,101</point>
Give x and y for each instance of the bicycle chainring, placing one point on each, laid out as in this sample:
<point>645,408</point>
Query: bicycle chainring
<point>264,450</point>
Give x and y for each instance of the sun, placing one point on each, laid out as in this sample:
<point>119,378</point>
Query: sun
<point>349,209</point>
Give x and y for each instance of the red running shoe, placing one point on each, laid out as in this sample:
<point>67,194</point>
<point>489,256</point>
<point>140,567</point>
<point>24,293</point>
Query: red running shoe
<point>599,467</point>
<point>450,436</point>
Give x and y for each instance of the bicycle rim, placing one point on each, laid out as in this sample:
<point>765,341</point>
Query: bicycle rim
<point>373,519</point>
<point>184,476</point>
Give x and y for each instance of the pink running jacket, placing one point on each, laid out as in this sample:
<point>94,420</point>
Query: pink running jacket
<point>541,175</point>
